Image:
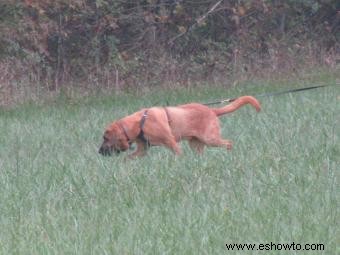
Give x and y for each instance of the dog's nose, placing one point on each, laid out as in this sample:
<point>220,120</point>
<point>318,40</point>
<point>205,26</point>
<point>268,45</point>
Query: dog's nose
<point>105,151</point>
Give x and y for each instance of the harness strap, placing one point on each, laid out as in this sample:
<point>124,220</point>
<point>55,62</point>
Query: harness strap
<point>141,133</point>
<point>167,114</point>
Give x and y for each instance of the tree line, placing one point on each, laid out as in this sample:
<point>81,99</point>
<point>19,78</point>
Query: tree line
<point>133,42</point>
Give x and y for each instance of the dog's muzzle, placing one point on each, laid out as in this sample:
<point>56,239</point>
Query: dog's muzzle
<point>107,151</point>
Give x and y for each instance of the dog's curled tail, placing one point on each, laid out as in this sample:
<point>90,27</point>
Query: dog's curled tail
<point>237,103</point>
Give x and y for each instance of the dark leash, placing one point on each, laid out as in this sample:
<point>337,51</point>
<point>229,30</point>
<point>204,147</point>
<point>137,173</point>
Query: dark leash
<point>228,100</point>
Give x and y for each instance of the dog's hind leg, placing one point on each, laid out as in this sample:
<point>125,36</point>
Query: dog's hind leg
<point>196,145</point>
<point>212,136</point>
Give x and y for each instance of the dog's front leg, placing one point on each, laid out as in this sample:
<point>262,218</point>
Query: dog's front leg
<point>140,151</point>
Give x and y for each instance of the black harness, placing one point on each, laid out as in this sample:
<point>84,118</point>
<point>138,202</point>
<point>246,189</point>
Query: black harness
<point>141,135</point>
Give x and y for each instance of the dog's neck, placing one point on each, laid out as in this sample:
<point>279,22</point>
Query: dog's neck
<point>131,126</point>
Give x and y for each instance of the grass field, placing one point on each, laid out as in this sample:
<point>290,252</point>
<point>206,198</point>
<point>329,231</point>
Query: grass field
<point>279,184</point>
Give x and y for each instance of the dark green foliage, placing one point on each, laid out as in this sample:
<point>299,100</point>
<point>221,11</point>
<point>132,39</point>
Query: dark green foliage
<point>127,41</point>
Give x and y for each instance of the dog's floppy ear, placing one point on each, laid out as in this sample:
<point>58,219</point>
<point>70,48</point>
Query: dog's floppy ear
<point>113,130</point>
<point>109,133</point>
<point>121,141</point>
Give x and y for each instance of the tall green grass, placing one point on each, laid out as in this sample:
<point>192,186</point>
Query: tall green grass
<point>279,184</point>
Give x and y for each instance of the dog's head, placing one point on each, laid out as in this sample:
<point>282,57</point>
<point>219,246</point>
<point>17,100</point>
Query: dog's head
<point>114,140</point>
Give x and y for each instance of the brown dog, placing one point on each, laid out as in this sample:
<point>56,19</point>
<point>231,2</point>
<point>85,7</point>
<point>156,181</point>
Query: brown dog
<point>166,126</point>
